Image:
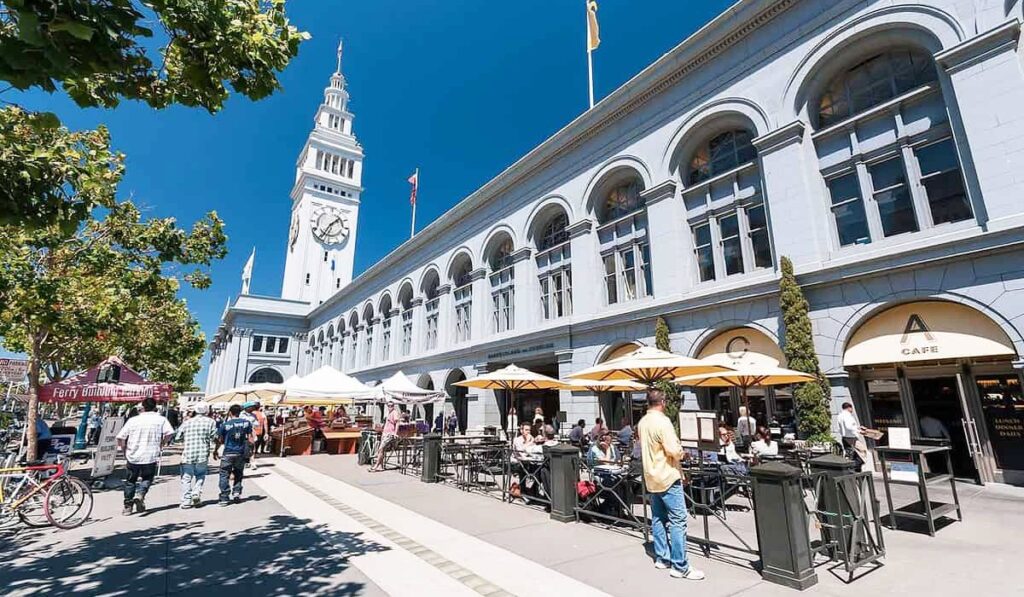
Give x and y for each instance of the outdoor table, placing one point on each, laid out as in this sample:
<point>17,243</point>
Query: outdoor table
<point>296,440</point>
<point>929,511</point>
<point>341,441</point>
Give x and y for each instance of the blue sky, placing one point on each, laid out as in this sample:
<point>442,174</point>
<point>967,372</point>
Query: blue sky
<point>460,89</point>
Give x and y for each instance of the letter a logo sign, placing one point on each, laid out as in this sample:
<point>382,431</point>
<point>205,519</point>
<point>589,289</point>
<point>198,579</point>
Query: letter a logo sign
<point>916,325</point>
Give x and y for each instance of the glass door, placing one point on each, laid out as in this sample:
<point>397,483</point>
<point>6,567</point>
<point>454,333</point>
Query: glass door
<point>1002,403</point>
<point>941,415</point>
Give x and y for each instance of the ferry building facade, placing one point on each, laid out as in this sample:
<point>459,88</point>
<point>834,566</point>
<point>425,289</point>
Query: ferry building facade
<point>877,144</point>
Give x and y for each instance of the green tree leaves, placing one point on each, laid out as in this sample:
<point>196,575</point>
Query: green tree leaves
<point>51,175</point>
<point>811,399</point>
<point>101,52</point>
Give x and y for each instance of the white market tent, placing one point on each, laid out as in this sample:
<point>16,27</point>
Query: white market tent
<point>401,389</point>
<point>324,384</point>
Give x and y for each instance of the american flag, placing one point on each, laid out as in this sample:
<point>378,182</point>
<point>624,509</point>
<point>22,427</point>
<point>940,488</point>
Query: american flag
<point>414,180</point>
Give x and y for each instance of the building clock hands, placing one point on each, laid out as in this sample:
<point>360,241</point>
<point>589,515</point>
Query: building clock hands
<point>329,225</point>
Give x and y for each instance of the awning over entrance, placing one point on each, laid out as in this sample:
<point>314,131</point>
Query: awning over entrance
<point>743,346</point>
<point>926,331</point>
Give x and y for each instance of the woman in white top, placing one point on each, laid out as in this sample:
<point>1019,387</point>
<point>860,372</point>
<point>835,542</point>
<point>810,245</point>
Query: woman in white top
<point>725,439</point>
<point>764,445</point>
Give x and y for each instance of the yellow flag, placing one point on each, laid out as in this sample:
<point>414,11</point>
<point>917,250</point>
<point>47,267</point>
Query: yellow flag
<point>593,35</point>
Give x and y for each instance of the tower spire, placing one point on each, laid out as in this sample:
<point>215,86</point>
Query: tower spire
<point>341,44</point>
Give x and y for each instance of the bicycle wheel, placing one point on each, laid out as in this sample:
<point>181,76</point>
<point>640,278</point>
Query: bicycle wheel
<point>32,511</point>
<point>68,503</point>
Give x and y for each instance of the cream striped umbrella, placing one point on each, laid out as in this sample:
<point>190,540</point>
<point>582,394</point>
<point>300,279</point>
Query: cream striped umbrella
<point>513,379</point>
<point>761,372</point>
<point>647,365</point>
<point>255,391</point>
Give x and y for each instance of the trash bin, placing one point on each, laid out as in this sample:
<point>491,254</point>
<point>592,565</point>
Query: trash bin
<point>783,534</point>
<point>431,458</point>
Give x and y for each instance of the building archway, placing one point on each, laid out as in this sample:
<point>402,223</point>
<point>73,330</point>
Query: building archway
<point>458,397</point>
<point>613,406</point>
<point>266,375</point>
<point>739,346</point>
<point>945,371</point>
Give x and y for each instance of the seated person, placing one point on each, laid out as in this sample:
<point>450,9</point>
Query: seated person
<point>522,444</point>
<point>727,441</point>
<point>626,435</point>
<point>764,445</point>
<point>603,451</point>
<point>597,430</point>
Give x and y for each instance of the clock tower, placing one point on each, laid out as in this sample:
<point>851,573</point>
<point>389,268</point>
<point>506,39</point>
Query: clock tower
<point>325,202</point>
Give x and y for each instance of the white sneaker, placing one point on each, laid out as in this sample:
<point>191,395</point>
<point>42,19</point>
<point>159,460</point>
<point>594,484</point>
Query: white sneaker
<point>660,565</point>
<point>691,574</point>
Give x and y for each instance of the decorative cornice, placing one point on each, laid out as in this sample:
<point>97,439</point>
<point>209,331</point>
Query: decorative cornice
<point>580,228</point>
<point>690,55</point>
<point>416,301</point>
<point>662,190</point>
<point>477,274</point>
<point>978,49</point>
<point>780,137</point>
<point>394,313</point>
<point>563,356</point>
<point>444,289</point>
<point>520,254</point>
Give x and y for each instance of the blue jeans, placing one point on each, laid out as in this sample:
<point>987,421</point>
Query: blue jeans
<point>192,476</point>
<point>669,527</point>
<point>231,465</point>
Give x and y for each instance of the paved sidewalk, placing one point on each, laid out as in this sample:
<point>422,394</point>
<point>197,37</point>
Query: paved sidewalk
<point>965,557</point>
<point>252,548</point>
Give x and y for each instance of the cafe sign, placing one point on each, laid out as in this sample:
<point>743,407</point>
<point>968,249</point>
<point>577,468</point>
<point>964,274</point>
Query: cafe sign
<point>926,331</point>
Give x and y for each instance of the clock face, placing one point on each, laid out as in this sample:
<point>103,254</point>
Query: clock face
<point>329,225</point>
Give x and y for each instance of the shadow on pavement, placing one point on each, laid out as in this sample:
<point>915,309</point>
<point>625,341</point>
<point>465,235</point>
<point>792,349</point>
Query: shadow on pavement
<point>279,556</point>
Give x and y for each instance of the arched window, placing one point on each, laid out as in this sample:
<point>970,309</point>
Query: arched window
<point>368,323</point>
<point>554,268</point>
<point>266,375</point>
<point>385,328</point>
<point>892,171</point>
<point>621,200</point>
<point>462,298</point>
<point>721,153</point>
<point>339,356</point>
<point>733,237</point>
<point>554,232</point>
<point>871,82</point>
<point>329,350</point>
<point>405,308</point>
<point>431,302</point>
<point>503,285</point>
<point>625,253</point>
<point>353,345</point>
<point>320,345</point>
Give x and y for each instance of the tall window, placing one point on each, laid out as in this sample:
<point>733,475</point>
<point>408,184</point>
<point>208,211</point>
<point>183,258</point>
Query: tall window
<point>892,170</point>
<point>503,288</point>
<point>554,267</point>
<point>368,339</point>
<point>385,337</point>
<point>462,298</point>
<point>622,235</point>
<point>733,237</point>
<point>430,307</point>
<point>354,343</point>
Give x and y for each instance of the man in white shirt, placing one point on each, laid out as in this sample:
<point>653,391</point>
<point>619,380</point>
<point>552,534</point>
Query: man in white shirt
<point>142,438</point>
<point>745,426</point>
<point>850,431</point>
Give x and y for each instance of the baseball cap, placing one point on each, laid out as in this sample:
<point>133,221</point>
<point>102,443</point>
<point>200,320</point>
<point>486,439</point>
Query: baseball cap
<point>202,408</point>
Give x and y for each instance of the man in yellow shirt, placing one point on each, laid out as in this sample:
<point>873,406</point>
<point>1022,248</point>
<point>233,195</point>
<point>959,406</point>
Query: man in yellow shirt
<point>661,453</point>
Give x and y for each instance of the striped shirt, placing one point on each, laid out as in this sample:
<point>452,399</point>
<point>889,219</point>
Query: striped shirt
<point>198,434</point>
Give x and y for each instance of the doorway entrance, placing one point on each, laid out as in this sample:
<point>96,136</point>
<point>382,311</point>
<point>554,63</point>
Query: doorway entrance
<point>940,416</point>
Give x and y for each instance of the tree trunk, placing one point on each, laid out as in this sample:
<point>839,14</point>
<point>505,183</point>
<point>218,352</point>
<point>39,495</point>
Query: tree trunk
<point>33,399</point>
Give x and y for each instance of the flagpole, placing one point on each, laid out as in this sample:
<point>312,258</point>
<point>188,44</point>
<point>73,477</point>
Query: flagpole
<point>590,60</point>
<point>412,227</point>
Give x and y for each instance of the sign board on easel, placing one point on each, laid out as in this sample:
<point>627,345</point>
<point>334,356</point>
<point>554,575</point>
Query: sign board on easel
<point>106,450</point>
<point>698,429</point>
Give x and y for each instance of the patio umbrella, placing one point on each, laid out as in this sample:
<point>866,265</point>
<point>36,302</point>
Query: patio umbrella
<point>513,379</point>
<point>761,372</point>
<point>647,365</point>
<point>255,391</point>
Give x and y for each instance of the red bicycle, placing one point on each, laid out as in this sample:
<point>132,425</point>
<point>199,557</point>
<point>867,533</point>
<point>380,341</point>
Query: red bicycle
<point>38,494</point>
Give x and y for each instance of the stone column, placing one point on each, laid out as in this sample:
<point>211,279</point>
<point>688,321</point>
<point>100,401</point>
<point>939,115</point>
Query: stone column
<point>480,327</point>
<point>670,270</point>
<point>984,94</point>
<point>526,300</point>
<point>786,162</point>
<point>587,275</point>
<point>396,335</point>
<point>445,316</point>
<point>419,333</point>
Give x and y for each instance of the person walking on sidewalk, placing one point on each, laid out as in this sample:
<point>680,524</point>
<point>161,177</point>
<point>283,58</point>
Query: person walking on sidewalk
<point>142,438</point>
<point>236,435</point>
<point>661,452</point>
<point>198,433</point>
